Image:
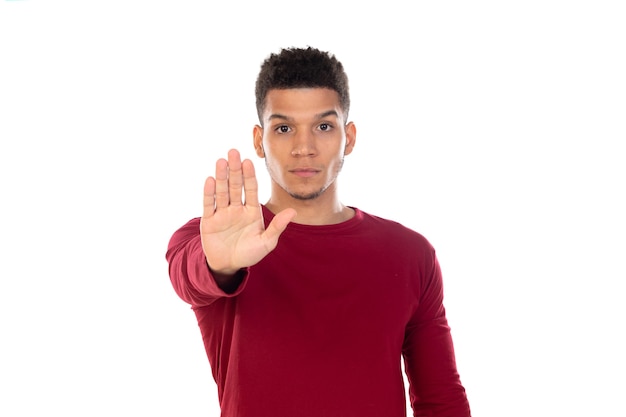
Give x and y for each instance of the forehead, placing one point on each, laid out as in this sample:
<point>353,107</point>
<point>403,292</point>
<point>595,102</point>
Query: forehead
<point>301,103</point>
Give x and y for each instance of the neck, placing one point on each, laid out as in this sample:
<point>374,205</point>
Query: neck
<point>315,212</point>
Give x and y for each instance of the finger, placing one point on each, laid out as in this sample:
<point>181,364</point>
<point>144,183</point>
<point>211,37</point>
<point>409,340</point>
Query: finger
<point>209,197</point>
<point>277,226</point>
<point>221,184</point>
<point>250,185</point>
<point>235,177</point>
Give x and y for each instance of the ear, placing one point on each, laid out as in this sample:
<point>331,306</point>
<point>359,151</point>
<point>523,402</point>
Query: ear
<point>350,138</point>
<point>257,138</point>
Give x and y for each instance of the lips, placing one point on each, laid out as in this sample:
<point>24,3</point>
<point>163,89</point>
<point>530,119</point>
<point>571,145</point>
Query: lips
<point>304,172</point>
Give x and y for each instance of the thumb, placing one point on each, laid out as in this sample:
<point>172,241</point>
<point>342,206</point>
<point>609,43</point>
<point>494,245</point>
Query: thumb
<point>278,225</point>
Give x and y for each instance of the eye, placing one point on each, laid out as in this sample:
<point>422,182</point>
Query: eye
<point>282,129</point>
<point>325,127</point>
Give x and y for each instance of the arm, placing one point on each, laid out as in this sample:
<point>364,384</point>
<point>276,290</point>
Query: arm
<point>209,257</point>
<point>435,386</point>
<point>189,272</point>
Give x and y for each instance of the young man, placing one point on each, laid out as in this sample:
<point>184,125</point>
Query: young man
<point>307,306</point>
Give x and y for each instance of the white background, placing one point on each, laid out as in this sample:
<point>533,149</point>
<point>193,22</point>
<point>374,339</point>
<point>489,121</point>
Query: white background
<point>494,128</point>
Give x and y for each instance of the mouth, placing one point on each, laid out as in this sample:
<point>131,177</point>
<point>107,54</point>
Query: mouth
<point>304,172</point>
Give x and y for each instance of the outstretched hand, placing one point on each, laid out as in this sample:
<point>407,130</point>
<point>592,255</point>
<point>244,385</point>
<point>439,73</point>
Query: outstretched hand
<point>232,229</point>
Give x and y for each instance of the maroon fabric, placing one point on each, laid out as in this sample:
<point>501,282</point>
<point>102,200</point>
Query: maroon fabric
<point>319,327</point>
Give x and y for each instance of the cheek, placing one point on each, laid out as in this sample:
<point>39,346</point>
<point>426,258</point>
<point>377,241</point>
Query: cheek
<point>273,167</point>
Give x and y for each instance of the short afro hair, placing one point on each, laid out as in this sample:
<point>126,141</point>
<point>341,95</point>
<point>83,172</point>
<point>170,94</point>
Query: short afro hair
<point>301,68</point>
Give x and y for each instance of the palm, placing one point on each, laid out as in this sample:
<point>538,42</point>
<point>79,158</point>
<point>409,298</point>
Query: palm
<point>232,231</point>
<point>233,237</point>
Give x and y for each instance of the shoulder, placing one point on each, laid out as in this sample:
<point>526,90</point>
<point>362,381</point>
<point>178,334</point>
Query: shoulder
<point>394,230</point>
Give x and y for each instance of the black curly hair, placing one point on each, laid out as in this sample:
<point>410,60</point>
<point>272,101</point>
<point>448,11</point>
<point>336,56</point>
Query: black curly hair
<point>301,68</point>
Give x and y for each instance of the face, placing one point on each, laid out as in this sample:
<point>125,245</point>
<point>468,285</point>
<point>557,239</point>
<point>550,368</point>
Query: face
<point>304,139</point>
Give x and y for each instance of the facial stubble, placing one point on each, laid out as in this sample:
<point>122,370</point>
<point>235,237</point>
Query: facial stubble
<point>315,194</point>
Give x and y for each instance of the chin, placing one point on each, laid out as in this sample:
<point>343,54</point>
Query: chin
<point>307,196</point>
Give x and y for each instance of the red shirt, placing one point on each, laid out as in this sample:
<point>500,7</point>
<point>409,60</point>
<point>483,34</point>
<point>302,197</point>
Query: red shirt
<point>319,327</point>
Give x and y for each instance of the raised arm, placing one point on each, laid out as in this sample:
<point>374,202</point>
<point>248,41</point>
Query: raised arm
<point>207,255</point>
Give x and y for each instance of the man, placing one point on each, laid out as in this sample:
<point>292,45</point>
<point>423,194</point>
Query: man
<point>307,306</point>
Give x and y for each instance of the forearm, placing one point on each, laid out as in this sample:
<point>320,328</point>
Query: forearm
<point>435,386</point>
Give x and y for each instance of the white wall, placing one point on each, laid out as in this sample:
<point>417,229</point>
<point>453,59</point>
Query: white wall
<point>496,129</point>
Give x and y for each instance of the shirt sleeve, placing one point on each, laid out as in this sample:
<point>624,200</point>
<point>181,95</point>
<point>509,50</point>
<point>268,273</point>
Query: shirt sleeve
<point>189,273</point>
<point>435,388</point>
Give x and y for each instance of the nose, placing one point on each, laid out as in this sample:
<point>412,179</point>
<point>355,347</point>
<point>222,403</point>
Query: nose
<point>303,144</point>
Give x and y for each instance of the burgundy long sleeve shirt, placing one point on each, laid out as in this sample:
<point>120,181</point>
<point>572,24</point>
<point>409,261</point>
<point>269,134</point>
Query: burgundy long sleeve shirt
<point>319,327</point>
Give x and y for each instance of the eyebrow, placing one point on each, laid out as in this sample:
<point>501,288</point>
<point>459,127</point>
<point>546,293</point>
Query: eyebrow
<point>317,116</point>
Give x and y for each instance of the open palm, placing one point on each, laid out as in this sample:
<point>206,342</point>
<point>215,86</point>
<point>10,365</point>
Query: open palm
<point>232,230</point>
